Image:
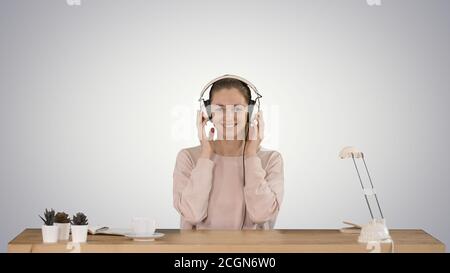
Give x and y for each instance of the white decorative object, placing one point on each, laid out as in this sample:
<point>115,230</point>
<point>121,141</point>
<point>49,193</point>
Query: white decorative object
<point>143,226</point>
<point>63,231</point>
<point>79,233</point>
<point>50,234</point>
<point>144,238</point>
<point>375,232</point>
<point>349,152</point>
<point>73,247</point>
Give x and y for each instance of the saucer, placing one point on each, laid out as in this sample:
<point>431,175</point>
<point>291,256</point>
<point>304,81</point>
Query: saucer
<point>144,237</point>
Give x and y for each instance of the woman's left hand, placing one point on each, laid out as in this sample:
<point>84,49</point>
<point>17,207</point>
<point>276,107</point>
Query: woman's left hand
<point>255,135</point>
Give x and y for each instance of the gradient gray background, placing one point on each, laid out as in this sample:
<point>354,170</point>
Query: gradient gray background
<point>87,99</point>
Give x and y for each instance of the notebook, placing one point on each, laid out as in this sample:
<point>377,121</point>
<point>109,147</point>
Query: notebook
<point>99,230</point>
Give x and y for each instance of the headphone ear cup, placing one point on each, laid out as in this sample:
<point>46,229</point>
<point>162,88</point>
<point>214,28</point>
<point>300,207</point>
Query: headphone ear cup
<point>251,108</point>
<point>207,105</point>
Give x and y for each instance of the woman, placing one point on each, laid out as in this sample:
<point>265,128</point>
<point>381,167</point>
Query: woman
<point>208,187</point>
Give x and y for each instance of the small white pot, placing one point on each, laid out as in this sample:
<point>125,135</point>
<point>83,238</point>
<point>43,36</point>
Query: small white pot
<point>50,234</point>
<point>63,231</point>
<point>79,233</point>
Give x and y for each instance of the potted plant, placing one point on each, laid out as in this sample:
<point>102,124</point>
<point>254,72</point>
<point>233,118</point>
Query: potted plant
<point>49,230</point>
<point>62,220</point>
<point>79,228</point>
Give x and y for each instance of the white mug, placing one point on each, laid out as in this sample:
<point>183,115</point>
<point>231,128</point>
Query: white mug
<point>143,226</point>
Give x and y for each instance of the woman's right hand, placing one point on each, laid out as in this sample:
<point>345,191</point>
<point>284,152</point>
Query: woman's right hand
<point>205,141</point>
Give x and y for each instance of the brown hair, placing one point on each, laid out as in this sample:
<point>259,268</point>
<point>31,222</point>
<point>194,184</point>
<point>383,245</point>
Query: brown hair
<point>228,83</point>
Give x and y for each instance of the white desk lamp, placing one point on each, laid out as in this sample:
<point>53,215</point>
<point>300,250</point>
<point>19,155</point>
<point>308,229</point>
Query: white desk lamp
<point>375,231</point>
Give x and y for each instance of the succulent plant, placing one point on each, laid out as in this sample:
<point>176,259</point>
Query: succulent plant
<point>49,216</point>
<point>62,218</point>
<point>79,219</point>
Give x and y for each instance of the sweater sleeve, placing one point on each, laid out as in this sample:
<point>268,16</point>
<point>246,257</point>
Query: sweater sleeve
<point>264,188</point>
<point>192,184</point>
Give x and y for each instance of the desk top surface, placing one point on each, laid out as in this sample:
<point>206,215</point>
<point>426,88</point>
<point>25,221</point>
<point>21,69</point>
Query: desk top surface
<point>277,240</point>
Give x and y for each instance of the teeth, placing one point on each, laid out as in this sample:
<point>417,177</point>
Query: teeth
<point>230,126</point>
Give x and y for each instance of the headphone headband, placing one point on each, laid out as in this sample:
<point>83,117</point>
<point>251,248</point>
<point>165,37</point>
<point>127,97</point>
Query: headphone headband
<point>249,84</point>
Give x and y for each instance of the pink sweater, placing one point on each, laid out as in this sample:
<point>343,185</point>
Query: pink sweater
<point>210,194</point>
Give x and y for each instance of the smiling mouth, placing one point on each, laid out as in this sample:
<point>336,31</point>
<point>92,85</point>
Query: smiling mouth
<point>230,125</point>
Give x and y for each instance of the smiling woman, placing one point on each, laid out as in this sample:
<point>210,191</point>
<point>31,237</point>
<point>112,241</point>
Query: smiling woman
<point>230,182</point>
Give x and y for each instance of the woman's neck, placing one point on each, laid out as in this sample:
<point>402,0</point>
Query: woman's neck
<point>229,147</point>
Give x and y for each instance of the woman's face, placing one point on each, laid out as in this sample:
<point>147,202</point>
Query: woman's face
<point>229,114</point>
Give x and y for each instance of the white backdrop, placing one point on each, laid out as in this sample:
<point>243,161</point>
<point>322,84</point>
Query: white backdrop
<point>97,99</point>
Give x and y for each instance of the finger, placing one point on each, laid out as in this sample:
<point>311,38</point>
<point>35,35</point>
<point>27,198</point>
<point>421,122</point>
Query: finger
<point>254,121</point>
<point>199,117</point>
<point>261,125</point>
<point>252,132</point>
<point>201,126</point>
<point>204,119</point>
<point>204,137</point>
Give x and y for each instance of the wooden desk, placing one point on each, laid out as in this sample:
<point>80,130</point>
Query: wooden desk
<point>280,240</point>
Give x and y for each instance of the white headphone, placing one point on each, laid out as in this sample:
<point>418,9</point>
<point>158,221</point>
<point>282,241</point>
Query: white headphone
<point>205,105</point>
